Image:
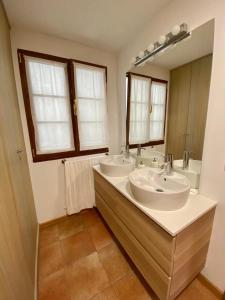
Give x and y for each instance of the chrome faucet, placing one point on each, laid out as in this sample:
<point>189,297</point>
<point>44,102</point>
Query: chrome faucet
<point>168,164</point>
<point>186,158</point>
<point>126,151</point>
<point>139,148</point>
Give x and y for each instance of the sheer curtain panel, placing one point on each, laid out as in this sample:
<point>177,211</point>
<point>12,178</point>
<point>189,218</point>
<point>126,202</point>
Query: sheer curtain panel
<point>90,85</point>
<point>158,108</point>
<point>139,109</point>
<point>50,106</point>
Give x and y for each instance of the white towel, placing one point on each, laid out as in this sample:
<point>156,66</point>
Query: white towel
<point>79,181</point>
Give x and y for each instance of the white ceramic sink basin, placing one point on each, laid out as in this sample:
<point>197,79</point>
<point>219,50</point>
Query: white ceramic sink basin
<point>158,191</point>
<point>192,172</point>
<point>117,165</point>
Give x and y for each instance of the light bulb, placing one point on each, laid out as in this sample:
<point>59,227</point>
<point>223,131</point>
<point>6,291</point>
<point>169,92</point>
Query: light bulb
<point>175,30</point>
<point>133,60</point>
<point>162,39</point>
<point>150,47</point>
<point>141,54</point>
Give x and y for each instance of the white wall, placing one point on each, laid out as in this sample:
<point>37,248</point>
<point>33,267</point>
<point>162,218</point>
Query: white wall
<point>195,13</point>
<point>48,177</point>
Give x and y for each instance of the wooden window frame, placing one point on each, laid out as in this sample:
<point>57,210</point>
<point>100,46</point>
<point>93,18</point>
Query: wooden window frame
<point>72,96</point>
<point>150,143</point>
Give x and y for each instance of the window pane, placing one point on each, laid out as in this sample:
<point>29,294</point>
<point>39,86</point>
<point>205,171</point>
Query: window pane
<point>139,112</point>
<point>47,77</point>
<point>156,130</point>
<point>158,112</point>
<point>91,82</point>
<point>51,109</point>
<point>92,111</point>
<point>50,106</point>
<point>53,136</point>
<point>140,89</point>
<point>137,132</point>
<point>139,109</point>
<point>157,119</point>
<point>92,134</point>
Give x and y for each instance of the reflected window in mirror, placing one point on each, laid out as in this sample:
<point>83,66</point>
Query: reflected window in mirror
<point>146,110</point>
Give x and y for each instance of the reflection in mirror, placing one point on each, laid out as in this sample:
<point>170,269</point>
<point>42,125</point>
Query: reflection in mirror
<point>167,103</point>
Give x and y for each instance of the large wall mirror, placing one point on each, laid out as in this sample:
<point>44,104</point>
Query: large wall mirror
<point>167,101</point>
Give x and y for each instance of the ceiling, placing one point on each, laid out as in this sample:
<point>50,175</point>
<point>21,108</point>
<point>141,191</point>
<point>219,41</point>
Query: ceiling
<point>104,24</point>
<point>199,45</point>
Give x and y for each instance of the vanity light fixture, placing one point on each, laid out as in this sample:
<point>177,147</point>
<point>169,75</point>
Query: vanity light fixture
<point>177,34</point>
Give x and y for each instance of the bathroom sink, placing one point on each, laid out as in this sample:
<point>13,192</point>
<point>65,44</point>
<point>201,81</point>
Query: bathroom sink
<point>117,165</point>
<point>192,172</point>
<point>158,191</point>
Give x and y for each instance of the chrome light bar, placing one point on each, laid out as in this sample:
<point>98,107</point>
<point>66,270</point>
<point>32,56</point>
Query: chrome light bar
<point>170,39</point>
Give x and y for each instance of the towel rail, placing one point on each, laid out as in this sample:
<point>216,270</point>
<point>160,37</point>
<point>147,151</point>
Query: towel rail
<point>64,160</point>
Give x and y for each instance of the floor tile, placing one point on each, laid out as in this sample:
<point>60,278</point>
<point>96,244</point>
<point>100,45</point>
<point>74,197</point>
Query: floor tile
<point>90,217</point>
<point>108,294</point>
<point>48,235</point>
<point>72,225</point>
<point>50,259</point>
<point>54,287</point>
<point>100,235</point>
<point>129,287</point>
<point>113,261</point>
<point>77,246</point>
<point>86,277</point>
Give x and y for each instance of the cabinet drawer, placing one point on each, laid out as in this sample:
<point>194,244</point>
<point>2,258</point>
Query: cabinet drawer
<point>152,237</point>
<point>153,274</point>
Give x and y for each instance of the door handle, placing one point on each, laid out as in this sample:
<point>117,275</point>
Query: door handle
<point>18,151</point>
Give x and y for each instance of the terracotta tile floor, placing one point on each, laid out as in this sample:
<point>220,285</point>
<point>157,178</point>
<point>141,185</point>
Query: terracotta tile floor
<point>80,260</point>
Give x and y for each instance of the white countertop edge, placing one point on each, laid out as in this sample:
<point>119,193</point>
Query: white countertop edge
<point>171,221</point>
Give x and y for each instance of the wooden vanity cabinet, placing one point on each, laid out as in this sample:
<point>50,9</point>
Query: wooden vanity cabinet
<point>167,263</point>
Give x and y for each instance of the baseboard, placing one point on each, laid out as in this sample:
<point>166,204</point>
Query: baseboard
<point>214,290</point>
<point>60,219</point>
<point>36,266</point>
<point>53,222</point>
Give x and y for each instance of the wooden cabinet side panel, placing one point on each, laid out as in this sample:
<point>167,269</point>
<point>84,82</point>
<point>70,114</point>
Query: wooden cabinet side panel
<point>191,252</point>
<point>151,271</point>
<point>197,233</point>
<point>188,272</point>
<point>153,238</point>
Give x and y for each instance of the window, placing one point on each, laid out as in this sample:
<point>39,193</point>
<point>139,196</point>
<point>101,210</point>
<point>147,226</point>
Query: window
<point>65,102</point>
<point>91,97</point>
<point>158,105</point>
<point>49,100</point>
<point>146,110</point>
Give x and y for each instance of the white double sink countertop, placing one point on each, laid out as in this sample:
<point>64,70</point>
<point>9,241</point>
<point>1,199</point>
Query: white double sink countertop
<point>171,221</point>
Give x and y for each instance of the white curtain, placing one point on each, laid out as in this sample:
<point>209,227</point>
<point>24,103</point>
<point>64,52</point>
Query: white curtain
<point>48,89</point>
<point>158,102</point>
<point>79,181</point>
<point>92,109</point>
<point>139,109</point>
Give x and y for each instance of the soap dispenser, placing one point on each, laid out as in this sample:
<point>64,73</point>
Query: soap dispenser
<point>154,163</point>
